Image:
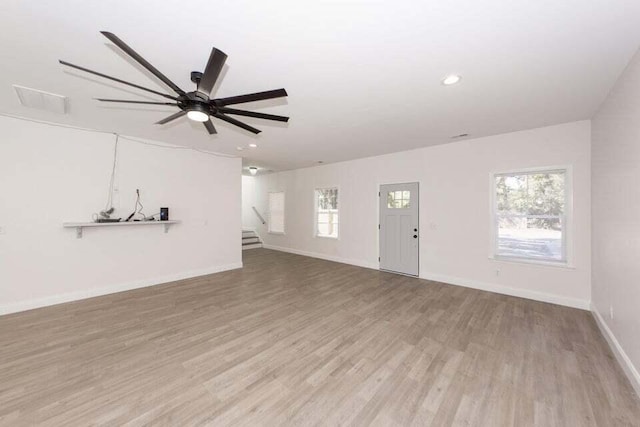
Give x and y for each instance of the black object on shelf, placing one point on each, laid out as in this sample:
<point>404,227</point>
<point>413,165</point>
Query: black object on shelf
<point>164,214</point>
<point>101,220</point>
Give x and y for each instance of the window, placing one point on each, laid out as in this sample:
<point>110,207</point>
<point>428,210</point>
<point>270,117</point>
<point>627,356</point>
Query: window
<point>276,212</point>
<point>398,199</point>
<point>530,215</point>
<point>327,212</point>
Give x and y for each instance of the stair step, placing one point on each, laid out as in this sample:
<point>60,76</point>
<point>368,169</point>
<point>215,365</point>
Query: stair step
<point>249,240</point>
<point>251,246</point>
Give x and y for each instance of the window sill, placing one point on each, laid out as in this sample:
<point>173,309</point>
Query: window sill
<point>326,237</point>
<point>277,233</point>
<point>541,263</point>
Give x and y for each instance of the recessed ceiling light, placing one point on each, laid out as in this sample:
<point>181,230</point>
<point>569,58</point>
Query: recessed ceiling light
<point>253,145</point>
<point>451,79</point>
<point>253,170</point>
<point>239,148</point>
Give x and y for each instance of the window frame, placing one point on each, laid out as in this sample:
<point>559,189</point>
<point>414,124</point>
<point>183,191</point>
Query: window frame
<point>315,211</point>
<point>284,209</point>
<point>566,217</point>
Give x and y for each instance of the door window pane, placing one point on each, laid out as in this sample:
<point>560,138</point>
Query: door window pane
<point>398,199</point>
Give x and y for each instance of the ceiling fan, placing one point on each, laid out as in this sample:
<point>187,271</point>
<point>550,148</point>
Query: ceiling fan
<point>197,105</point>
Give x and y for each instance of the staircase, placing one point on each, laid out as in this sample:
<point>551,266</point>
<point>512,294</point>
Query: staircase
<point>250,240</point>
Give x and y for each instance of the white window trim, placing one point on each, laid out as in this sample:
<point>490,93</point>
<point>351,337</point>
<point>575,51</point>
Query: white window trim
<point>284,217</point>
<point>567,218</point>
<point>315,212</point>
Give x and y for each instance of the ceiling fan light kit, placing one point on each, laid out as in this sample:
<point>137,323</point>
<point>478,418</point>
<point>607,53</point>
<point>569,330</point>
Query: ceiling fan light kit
<point>196,105</point>
<point>197,113</point>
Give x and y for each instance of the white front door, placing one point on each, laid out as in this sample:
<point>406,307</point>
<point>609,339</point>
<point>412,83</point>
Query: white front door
<point>399,228</point>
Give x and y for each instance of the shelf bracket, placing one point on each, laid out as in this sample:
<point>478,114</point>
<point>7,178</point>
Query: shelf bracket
<point>78,232</point>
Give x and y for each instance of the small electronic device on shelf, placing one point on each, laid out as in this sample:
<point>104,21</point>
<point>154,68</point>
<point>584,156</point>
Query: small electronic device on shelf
<point>101,220</point>
<point>164,214</point>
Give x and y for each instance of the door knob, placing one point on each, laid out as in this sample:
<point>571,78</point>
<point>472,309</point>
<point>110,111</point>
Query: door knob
<point>415,229</point>
<point>415,236</point>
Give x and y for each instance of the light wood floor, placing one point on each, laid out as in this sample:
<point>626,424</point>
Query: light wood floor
<point>291,340</point>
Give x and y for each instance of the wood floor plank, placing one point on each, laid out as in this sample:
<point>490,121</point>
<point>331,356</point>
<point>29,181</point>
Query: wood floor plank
<point>292,340</point>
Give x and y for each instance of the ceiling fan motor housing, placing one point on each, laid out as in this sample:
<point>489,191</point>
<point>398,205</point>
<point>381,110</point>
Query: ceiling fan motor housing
<point>196,101</point>
<point>196,76</point>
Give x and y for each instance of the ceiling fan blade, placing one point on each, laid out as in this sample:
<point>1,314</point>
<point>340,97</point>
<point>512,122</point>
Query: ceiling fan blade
<point>253,114</point>
<point>171,117</point>
<point>259,96</point>
<point>210,127</point>
<point>132,53</point>
<point>212,71</point>
<point>77,67</point>
<point>126,101</point>
<point>237,123</point>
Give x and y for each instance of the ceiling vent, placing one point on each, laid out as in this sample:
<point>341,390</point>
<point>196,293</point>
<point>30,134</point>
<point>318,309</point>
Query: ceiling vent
<point>33,98</point>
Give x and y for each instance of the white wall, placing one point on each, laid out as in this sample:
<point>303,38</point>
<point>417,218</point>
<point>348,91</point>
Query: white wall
<point>454,210</point>
<point>249,218</point>
<point>50,175</point>
<point>616,218</point>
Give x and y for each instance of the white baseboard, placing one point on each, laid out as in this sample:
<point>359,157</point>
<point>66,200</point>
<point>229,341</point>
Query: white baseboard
<point>618,351</point>
<point>467,283</point>
<point>506,290</point>
<point>355,262</point>
<point>90,293</point>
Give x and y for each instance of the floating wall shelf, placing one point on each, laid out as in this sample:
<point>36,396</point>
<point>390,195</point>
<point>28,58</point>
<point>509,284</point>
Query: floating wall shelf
<point>80,225</point>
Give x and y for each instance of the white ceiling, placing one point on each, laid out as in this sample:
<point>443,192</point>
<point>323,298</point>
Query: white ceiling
<point>363,76</point>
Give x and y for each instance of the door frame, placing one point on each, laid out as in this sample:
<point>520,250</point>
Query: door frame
<point>379,184</point>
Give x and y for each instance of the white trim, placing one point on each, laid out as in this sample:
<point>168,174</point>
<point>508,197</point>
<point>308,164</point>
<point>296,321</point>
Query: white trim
<point>532,170</point>
<point>379,218</point>
<point>624,361</point>
<point>456,281</point>
<point>315,212</point>
<point>95,292</point>
<point>506,290</point>
<point>544,263</point>
<point>318,255</point>
<point>566,217</point>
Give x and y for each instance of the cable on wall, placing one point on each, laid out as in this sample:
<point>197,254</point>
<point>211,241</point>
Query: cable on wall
<point>139,206</point>
<point>109,204</point>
